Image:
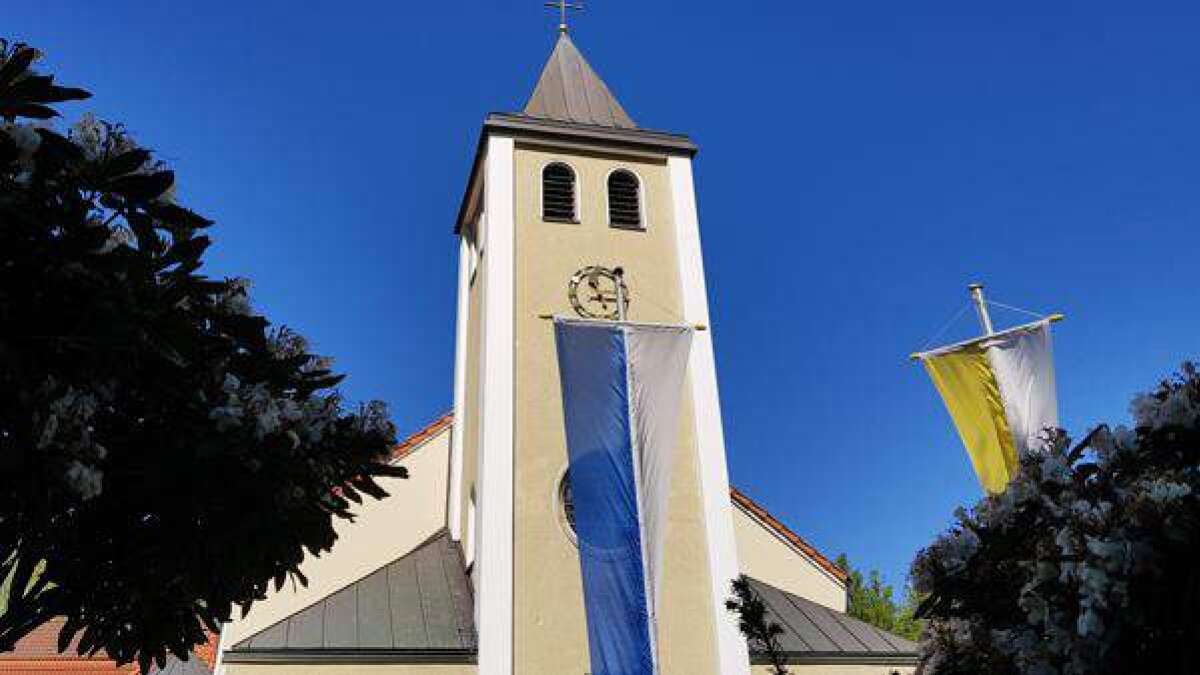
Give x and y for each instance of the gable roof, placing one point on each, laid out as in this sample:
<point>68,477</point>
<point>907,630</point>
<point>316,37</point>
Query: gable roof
<point>762,515</point>
<point>569,90</point>
<point>814,633</point>
<point>417,608</point>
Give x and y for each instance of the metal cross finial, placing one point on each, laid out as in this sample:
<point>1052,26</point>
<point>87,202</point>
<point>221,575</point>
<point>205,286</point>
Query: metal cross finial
<point>562,6</point>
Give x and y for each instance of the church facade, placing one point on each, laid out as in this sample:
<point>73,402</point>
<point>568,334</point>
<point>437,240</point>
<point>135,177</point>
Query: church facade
<point>471,566</point>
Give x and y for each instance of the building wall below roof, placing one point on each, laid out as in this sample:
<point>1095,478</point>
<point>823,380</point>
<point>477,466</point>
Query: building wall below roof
<point>383,531</point>
<point>351,669</point>
<point>762,554</point>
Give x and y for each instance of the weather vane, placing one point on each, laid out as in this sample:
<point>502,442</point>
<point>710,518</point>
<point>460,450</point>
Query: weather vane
<point>562,6</point>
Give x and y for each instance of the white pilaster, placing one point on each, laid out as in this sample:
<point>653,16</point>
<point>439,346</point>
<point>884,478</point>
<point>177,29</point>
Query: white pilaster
<point>495,554</point>
<point>732,652</point>
<point>454,493</point>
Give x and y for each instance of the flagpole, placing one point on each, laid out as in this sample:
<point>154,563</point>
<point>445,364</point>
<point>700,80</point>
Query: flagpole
<point>620,274</point>
<point>985,319</point>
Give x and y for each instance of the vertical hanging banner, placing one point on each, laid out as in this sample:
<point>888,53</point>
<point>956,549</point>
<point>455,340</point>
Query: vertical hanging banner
<point>1000,391</point>
<point>621,387</point>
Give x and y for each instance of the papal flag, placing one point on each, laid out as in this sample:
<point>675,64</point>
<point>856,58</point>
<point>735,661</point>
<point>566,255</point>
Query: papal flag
<point>621,386</point>
<point>1000,391</point>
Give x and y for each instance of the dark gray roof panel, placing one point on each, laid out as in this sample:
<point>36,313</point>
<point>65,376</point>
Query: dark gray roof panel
<point>420,602</point>
<point>408,616</point>
<point>374,602</point>
<point>570,91</point>
<point>341,619</point>
<point>812,629</point>
<point>801,634</point>
<point>306,630</point>
<point>176,666</point>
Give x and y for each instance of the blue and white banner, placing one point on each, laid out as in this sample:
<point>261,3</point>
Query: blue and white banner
<point>621,386</point>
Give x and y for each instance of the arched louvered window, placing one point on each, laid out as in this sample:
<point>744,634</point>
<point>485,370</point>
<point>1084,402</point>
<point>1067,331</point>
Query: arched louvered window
<point>558,193</point>
<point>624,200</point>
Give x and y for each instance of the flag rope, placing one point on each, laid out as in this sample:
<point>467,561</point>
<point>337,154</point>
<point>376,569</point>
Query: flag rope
<point>1015,309</point>
<point>954,319</point>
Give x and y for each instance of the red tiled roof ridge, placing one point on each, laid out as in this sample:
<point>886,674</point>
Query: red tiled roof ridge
<point>784,531</point>
<point>407,446</point>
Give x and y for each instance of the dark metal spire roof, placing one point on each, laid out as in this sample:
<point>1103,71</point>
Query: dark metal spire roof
<point>570,91</point>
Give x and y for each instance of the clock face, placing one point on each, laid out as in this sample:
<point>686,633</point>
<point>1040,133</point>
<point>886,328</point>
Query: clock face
<point>594,292</point>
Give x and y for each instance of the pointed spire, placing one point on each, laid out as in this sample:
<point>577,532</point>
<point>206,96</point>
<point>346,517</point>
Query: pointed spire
<point>570,91</point>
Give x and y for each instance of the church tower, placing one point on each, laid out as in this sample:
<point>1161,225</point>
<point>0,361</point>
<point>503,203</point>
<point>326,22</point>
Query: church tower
<point>472,566</point>
<point>570,182</point>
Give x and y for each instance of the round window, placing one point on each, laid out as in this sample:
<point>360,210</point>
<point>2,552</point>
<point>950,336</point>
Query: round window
<point>566,504</point>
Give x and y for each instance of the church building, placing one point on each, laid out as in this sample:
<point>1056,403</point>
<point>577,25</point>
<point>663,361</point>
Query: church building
<point>473,565</point>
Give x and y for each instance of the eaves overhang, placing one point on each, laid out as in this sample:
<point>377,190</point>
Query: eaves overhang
<point>353,656</point>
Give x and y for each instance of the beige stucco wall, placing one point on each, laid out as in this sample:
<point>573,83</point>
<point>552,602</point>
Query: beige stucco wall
<point>383,531</point>
<point>840,669</point>
<point>765,556</point>
<point>549,628</point>
<point>355,669</point>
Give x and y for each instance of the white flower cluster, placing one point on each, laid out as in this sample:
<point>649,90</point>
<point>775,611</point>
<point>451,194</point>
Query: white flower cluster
<point>97,139</point>
<point>65,429</point>
<point>236,298</point>
<point>1078,529</point>
<point>27,140</point>
<point>254,407</point>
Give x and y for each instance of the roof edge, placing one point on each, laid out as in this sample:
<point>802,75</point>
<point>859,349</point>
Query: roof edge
<point>418,439</point>
<point>354,656</point>
<point>784,531</point>
<point>838,659</point>
<point>649,138</point>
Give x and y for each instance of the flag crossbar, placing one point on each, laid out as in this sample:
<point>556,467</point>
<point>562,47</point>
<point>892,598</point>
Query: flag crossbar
<point>608,322</point>
<point>1053,318</point>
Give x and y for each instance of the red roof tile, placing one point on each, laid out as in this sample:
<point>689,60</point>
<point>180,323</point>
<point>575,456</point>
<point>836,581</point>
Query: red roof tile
<point>782,530</point>
<point>38,653</point>
<point>405,448</point>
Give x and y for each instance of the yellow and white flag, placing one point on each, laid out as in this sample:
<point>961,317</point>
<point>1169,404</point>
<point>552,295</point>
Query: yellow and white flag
<point>1000,391</point>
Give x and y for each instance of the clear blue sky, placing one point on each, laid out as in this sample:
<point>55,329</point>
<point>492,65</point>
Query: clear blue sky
<point>860,163</point>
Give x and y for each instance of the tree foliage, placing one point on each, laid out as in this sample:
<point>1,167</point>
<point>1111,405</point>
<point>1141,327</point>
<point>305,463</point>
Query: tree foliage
<point>1086,563</point>
<point>762,634</point>
<point>165,454</point>
<point>872,601</point>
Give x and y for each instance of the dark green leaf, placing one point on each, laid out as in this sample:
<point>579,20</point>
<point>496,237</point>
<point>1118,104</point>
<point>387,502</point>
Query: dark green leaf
<point>143,187</point>
<point>17,64</point>
<point>127,163</point>
<point>56,149</point>
<point>186,250</point>
<point>390,470</point>
<point>67,633</point>
<point>30,110</point>
<point>9,152</point>
<point>177,215</point>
